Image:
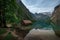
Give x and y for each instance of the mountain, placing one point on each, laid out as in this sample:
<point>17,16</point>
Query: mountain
<point>24,12</point>
<point>47,13</point>
<point>40,16</point>
<point>56,15</point>
<point>56,20</point>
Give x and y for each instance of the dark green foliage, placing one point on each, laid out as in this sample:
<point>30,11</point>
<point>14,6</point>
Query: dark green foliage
<point>12,29</point>
<point>24,12</point>
<point>9,36</point>
<point>14,13</point>
<point>2,31</point>
<point>11,11</point>
<point>8,12</point>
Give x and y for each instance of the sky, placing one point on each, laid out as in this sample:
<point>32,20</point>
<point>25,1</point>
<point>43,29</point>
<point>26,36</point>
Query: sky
<point>38,6</point>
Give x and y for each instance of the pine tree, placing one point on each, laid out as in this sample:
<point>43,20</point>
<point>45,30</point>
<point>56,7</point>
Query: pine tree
<point>8,12</point>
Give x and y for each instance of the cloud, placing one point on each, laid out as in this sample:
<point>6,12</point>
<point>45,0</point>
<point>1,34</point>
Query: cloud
<point>40,5</point>
<point>39,10</point>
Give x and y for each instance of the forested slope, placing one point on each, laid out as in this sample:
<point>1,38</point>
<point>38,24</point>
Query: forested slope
<point>13,11</point>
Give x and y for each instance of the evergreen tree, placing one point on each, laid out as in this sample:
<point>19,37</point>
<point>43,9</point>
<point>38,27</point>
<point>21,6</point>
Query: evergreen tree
<point>8,12</point>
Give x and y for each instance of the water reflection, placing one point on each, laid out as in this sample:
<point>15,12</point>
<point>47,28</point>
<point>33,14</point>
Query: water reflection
<point>42,25</point>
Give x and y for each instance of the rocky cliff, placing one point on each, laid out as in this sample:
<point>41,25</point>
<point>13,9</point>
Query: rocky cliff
<point>56,20</point>
<point>56,15</point>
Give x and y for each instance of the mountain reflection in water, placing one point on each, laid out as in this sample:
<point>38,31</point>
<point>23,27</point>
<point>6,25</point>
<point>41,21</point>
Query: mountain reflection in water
<point>41,25</point>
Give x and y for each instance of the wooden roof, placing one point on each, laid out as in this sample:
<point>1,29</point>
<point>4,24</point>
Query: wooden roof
<point>27,21</point>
